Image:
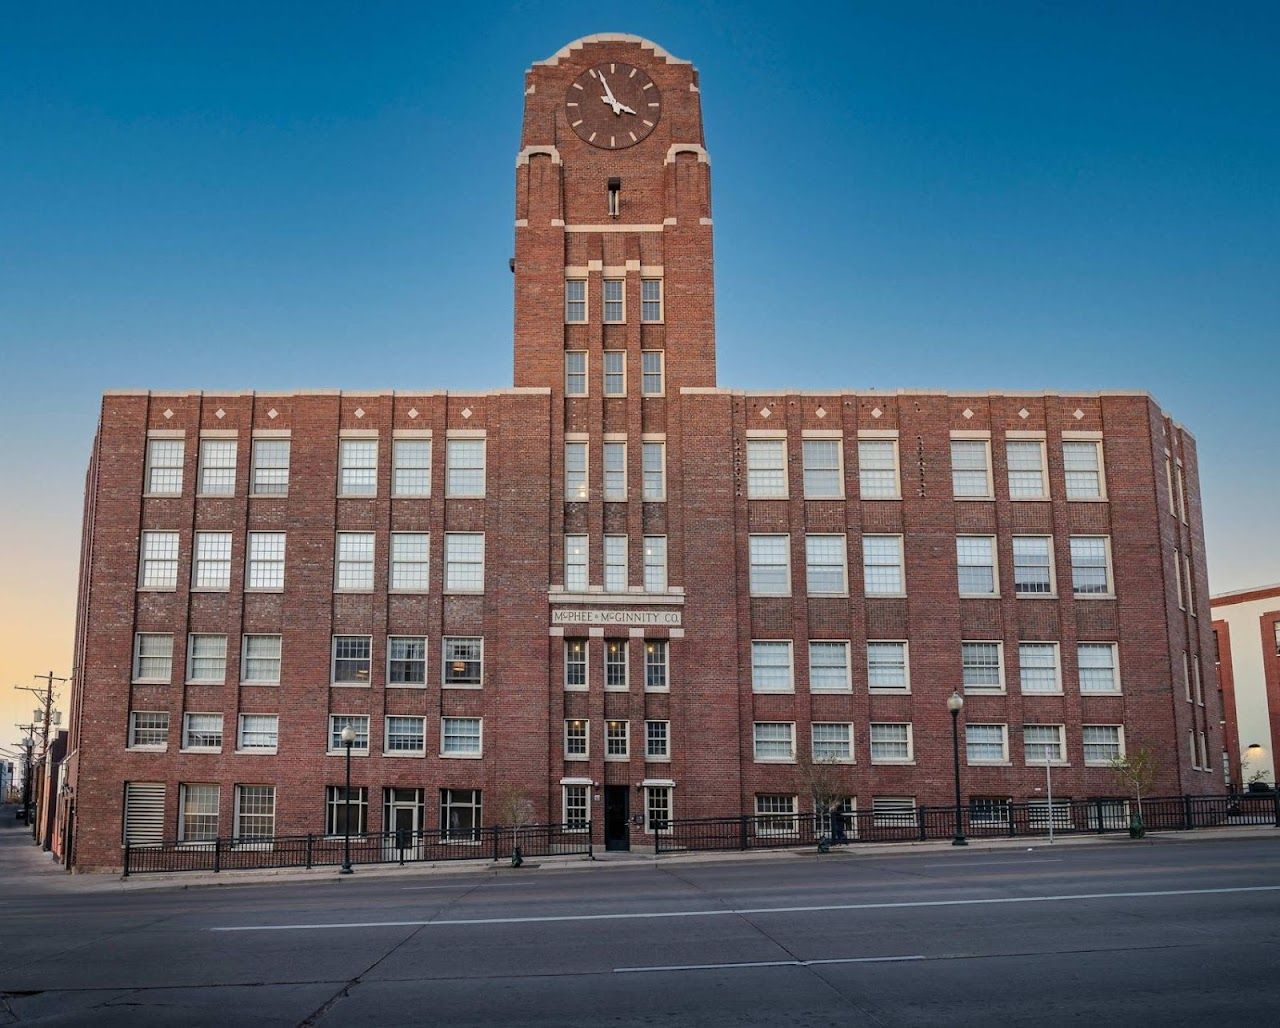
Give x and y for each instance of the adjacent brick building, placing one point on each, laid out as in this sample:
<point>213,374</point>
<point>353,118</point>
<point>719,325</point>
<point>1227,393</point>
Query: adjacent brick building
<point>618,588</point>
<point>1246,624</point>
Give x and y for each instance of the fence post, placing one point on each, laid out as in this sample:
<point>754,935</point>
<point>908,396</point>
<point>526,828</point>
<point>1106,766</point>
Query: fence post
<point>920,823</point>
<point>1098,812</point>
<point>126,861</point>
<point>1188,821</point>
<point>308,851</point>
<point>217,855</point>
<point>742,831</point>
<point>494,829</point>
<point>591,853</point>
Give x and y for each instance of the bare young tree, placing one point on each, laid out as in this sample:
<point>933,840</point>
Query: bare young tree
<point>1136,772</point>
<point>513,808</point>
<point>824,780</point>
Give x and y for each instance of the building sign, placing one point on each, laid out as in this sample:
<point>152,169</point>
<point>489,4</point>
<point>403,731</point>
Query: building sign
<point>629,618</point>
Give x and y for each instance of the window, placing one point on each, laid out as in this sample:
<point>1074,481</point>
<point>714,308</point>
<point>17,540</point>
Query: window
<point>878,469</point>
<point>656,664</point>
<point>341,804</point>
<point>1177,578</point>
<point>464,467</point>
<point>617,740</point>
<point>143,813</point>
<point>1027,480</point>
<point>1191,744</point>
<point>1038,667</point>
<point>893,812</point>
<point>986,744</point>
<point>775,740</point>
<point>164,467</point>
<point>358,723</point>
<point>463,660</point>
<point>1105,743</point>
<point>615,563</point>
<point>1033,565</point>
<point>776,815</point>
<point>976,564</point>
<point>770,565</point>
<point>655,563</point>
<point>887,667</point>
<point>353,562</point>
<point>982,667</point>
<point>845,809</point>
<point>207,659</point>
<point>823,470</point>
<point>255,812</point>
<point>575,472</point>
<point>1090,560</point>
<point>197,813</point>
<point>614,301</point>
<point>657,740</point>
<point>971,469</point>
<point>260,662</point>
<point>266,561</point>
<point>352,656</point>
<point>826,566</point>
<point>882,565</point>
<point>575,663</point>
<point>217,475</point>
<point>577,740</point>
<point>1204,752</point>
<point>1195,681</point>
<point>464,562</point>
<point>357,467</point>
<point>651,300</point>
<point>577,807</point>
<point>616,664</point>
<point>212,568</point>
<point>575,563</point>
<point>411,467</point>
<point>269,467</point>
<point>159,564</point>
<point>406,735</point>
<point>1043,743</point>
<point>1190,586</point>
<point>1182,500</point>
<point>152,657</point>
<point>615,373</point>
<point>148,729</point>
<point>460,815</point>
<point>989,811</point>
<point>410,561</point>
<point>575,373</point>
<point>651,380</point>
<point>1039,813</point>
<point>615,471</point>
<point>259,732</point>
<point>829,666</point>
<point>655,471</point>
<point>1168,474</point>
<point>406,660</point>
<point>460,737</point>
<point>832,741</point>
<point>771,667</point>
<point>575,300</point>
<point>1097,663</point>
<point>657,807</point>
<point>1082,463</point>
<point>891,743</point>
<point>766,469</point>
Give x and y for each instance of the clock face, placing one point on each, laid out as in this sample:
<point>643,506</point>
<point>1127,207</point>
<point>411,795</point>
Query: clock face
<point>613,105</point>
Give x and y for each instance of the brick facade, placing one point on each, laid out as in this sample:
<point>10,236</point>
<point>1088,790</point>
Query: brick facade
<point>662,231</point>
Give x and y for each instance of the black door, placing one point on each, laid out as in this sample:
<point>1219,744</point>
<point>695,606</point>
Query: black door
<point>616,813</point>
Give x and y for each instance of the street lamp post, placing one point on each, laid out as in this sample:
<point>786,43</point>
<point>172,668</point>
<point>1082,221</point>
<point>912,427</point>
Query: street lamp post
<point>955,703</point>
<point>348,737</point>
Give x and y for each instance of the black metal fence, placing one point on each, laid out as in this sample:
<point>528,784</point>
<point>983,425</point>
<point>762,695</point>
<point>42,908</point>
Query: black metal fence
<point>243,854</point>
<point>980,819</point>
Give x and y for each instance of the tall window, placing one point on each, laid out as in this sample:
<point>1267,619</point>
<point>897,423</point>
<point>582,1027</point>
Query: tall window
<point>982,670</point>
<point>353,562</point>
<point>617,740</point>
<point>655,563</point>
<point>657,676</point>
<point>615,373</point>
<point>207,659</point>
<point>357,467</point>
<point>575,663</point>
<point>575,472</point>
<point>152,657</point>
<point>164,467</point>
<point>771,666</point>
<point>774,740</point>
<point>651,300</point>
<point>269,467</point>
<point>358,723</point>
<point>148,729</point>
<point>575,373</point>
<point>406,735</point>
<point>829,666</point>
<point>1032,565</point>
<point>463,660</point>
<point>198,806</point>
<point>615,471</point>
<point>887,666</point>
<point>255,812</point>
<point>832,741</point>
<point>1105,743</point>
<point>986,744</point>
<point>1082,462</point>
<point>464,467</point>
<point>823,470</point>
<point>460,815</point>
<point>615,563</point>
<point>158,567</point>
<point>260,663</point>
<point>577,739</point>
<point>655,471</point>
<point>217,467</point>
<point>410,561</point>
<point>575,563</point>
<point>1090,573</point>
<point>882,565</point>
<point>341,805</point>
<point>464,562</point>
<point>259,732</point>
<point>1038,667</point>
<point>211,569</point>
<point>411,467</point>
<point>891,743</point>
<point>770,565</point>
<point>616,664</point>
<point>1027,479</point>
<point>878,469</point>
<point>826,565</point>
<point>657,807</point>
<point>652,379</point>
<point>352,659</point>
<point>657,744</point>
<point>577,808</point>
<point>976,564</point>
<point>766,469</point>
<point>970,469</point>
<point>1097,663</point>
<point>406,660</point>
<point>614,301</point>
<point>575,300</point>
<point>775,814</point>
<point>202,732</point>
<point>460,737</point>
<point>266,561</point>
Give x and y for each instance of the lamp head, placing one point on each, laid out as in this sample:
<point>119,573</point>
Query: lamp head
<point>348,735</point>
<point>955,702</point>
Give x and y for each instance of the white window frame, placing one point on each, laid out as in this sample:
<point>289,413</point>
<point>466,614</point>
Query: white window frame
<point>1109,592</point>
<point>648,493</point>
<point>577,471</point>
<point>1051,555</point>
<point>170,546</point>
<point>138,657</point>
<point>212,817</point>
<point>256,561</point>
<point>167,446</point>
<point>446,661</point>
<point>762,647</point>
<point>135,727</point>
<point>1075,495</point>
<point>577,657</point>
<point>191,679</point>
<point>962,541</point>
<point>847,683</point>
<point>612,582</point>
<point>646,302</point>
<point>240,815</point>
<point>260,446</point>
<point>663,647</point>
<point>1023,668</point>
<point>847,726</point>
<point>463,489</point>
<point>1060,730</point>
<point>1000,761</point>
<point>611,739</point>
<point>400,751</point>
<point>755,539</point>
<point>652,793</point>
<point>615,479</point>
<point>646,375</point>
<point>212,461</point>
<point>905,687</point>
<point>576,814</point>
<point>649,754</point>
<point>577,571</point>
<point>811,541</point>
<point>450,584</point>
<point>353,464</point>
<point>581,731</point>
<point>836,443</point>
<point>412,456</point>
<point>335,729</point>
<point>576,383</point>
<point>245,658</point>
<point>471,754</point>
<point>767,472</point>
<point>204,562</point>
<point>1114,649</point>
<point>571,302</point>
<point>619,357</point>
<point>615,646</point>
<point>865,444</point>
<point>1022,444</point>
<point>901,565</point>
<point>240,734</point>
<point>980,689</point>
<point>391,659</point>
<point>790,758</point>
<point>653,566</point>
<point>613,310</point>
<point>1085,744</point>
<point>984,442</point>
<point>910,758</point>
<point>403,571</point>
<point>333,661</point>
<point>353,572</point>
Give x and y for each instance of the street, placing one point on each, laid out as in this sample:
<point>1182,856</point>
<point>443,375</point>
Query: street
<point>1177,930</point>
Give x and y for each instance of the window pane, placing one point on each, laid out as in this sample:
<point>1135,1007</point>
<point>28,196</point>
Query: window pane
<point>407,660</point>
<point>164,466</point>
<point>878,468</point>
<point>357,467</point>
<point>766,468</point>
<point>655,563</point>
<point>411,460</point>
<point>771,667</point>
<point>270,467</point>
<point>655,471</point>
<point>887,665</point>
<point>1097,662</point>
<point>464,561</point>
<point>981,665</point>
<point>1038,667</point>
<point>825,565</point>
<point>1089,575</point>
<point>975,564</point>
<point>1026,470</point>
<point>969,468</point>
<point>217,467</point>
<point>1032,565</point>
<point>822,480</point>
<point>829,666</point>
<point>575,471</point>
<point>882,565</point>
<point>463,660</point>
<point>651,366</point>
<point>464,471</point>
<point>770,565</point>
<point>615,471</point>
<point>351,659</point>
<point>1082,464</point>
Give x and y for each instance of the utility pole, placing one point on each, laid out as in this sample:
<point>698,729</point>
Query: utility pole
<point>28,745</point>
<point>44,716</point>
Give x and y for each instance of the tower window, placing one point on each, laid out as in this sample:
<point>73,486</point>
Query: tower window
<point>575,300</point>
<point>651,300</point>
<point>615,196</point>
<point>614,305</point>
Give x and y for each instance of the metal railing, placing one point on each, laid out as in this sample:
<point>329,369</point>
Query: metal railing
<point>985,819</point>
<point>306,851</point>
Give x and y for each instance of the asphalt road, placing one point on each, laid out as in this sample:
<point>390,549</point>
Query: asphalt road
<point>1170,932</point>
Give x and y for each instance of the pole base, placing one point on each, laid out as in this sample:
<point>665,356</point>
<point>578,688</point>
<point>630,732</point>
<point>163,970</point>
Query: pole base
<point>959,840</point>
<point>346,869</point>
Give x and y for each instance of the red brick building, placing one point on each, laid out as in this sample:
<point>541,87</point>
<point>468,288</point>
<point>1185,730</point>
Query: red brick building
<point>619,588</point>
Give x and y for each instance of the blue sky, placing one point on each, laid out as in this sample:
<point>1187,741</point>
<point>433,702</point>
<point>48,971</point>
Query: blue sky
<point>963,196</point>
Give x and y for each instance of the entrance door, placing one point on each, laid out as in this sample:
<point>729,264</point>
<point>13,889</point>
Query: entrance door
<point>404,808</point>
<point>617,835</point>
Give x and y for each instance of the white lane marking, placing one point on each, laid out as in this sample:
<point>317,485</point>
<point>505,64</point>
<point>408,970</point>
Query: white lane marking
<point>767,963</point>
<point>722,912</point>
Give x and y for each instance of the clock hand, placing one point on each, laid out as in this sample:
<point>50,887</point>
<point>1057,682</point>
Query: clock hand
<point>609,98</point>
<point>624,107</point>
